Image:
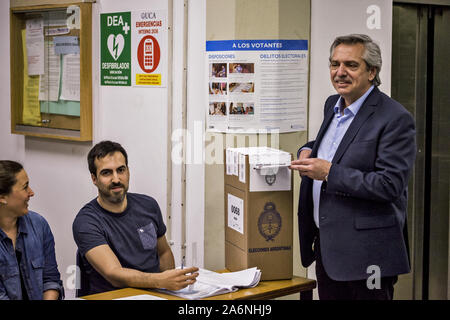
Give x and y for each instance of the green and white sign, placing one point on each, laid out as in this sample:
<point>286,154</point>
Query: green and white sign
<point>115,49</point>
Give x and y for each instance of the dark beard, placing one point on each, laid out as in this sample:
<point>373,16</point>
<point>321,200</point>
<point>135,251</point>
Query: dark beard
<point>111,197</point>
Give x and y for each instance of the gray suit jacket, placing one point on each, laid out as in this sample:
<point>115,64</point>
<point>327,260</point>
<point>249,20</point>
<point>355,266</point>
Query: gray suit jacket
<point>362,213</point>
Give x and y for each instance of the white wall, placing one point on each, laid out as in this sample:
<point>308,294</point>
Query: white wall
<point>11,147</point>
<point>189,52</point>
<point>196,102</point>
<point>248,19</point>
<point>135,117</point>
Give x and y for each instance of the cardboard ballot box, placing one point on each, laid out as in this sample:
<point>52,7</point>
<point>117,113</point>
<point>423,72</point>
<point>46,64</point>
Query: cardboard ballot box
<point>259,211</point>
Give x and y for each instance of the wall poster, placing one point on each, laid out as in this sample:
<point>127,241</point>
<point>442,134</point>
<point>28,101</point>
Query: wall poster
<point>149,47</point>
<point>257,85</point>
<point>134,48</point>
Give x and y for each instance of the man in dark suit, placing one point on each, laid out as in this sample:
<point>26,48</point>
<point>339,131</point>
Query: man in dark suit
<point>353,195</point>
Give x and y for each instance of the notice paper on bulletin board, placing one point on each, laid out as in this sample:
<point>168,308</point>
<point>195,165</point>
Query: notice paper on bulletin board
<point>56,82</point>
<point>256,85</point>
<point>30,112</point>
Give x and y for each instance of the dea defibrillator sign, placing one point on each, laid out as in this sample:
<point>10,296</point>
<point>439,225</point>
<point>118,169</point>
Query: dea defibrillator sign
<point>115,49</point>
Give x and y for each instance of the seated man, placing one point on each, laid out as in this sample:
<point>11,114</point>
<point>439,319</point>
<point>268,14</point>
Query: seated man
<point>121,236</point>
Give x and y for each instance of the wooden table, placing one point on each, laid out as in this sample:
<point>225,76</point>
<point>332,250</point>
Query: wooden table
<point>264,290</point>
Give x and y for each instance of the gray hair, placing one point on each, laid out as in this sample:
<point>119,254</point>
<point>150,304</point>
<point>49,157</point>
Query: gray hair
<point>371,55</point>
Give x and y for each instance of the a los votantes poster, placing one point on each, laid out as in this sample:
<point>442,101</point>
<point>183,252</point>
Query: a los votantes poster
<point>257,85</point>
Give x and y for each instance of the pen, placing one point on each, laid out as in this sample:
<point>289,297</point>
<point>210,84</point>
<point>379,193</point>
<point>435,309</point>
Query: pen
<point>182,267</point>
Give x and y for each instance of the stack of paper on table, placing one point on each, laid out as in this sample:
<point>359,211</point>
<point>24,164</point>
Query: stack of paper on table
<point>211,283</point>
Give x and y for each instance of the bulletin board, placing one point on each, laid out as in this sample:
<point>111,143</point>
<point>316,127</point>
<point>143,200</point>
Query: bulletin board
<point>51,71</point>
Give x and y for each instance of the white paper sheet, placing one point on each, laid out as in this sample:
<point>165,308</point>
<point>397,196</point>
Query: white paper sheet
<point>70,86</point>
<point>35,46</point>
<point>235,213</point>
<point>210,283</point>
<point>263,162</point>
<point>49,81</point>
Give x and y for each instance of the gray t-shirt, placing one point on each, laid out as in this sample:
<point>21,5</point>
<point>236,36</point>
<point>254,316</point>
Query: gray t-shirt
<point>132,235</point>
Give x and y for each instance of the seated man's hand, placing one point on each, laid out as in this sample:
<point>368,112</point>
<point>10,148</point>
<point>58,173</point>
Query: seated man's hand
<point>176,279</point>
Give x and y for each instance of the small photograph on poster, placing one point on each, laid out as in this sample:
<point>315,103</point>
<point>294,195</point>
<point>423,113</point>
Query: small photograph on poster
<point>241,87</point>
<point>237,68</point>
<point>217,109</point>
<point>217,88</point>
<point>218,70</point>
<point>241,108</point>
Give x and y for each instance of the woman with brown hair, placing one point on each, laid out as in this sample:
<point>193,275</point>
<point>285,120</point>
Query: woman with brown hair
<point>28,268</point>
